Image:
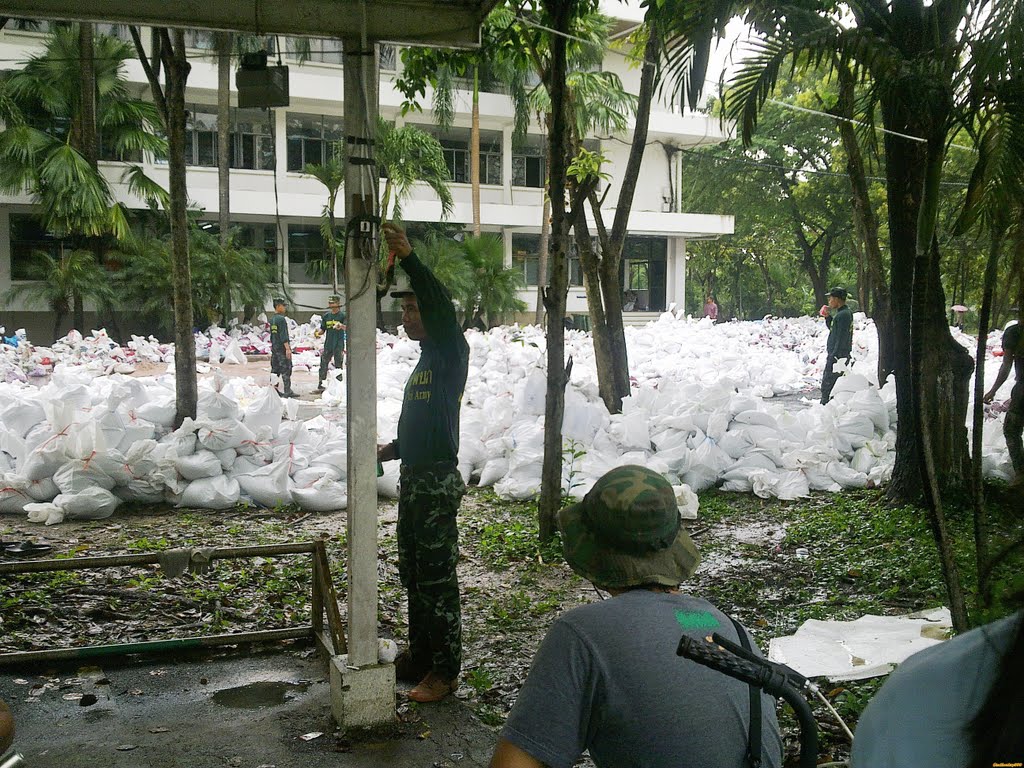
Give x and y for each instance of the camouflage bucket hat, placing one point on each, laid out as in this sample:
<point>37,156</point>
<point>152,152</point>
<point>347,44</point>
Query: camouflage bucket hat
<point>627,532</point>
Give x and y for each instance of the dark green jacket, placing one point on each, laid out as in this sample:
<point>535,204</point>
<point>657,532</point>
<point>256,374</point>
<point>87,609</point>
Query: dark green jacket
<point>840,334</point>
<point>278,333</point>
<point>428,429</point>
<point>335,337</point>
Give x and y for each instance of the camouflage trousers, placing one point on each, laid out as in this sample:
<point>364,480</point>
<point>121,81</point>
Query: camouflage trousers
<point>428,551</point>
<point>282,366</point>
<point>1013,428</point>
<point>338,356</point>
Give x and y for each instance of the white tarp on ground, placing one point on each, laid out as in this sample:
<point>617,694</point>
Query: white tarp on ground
<point>866,647</point>
<point>711,404</point>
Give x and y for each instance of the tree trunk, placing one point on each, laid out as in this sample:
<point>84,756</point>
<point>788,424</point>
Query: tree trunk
<point>555,297</point>
<point>865,221</point>
<point>978,419</point>
<point>87,132</point>
<point>223,47</point>
<point>474,151</point>
<point>595,307</point>
<point>186,386</point>
<point>613,377</point>
<point>542,259</point>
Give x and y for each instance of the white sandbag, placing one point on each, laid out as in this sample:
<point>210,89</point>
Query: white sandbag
<point>160,412</point>
<point>707,462</point>
<point>267,486</point>
<point>227,458</point>
<point>264,411</point>
<point>335,460</point>
<point>46,458</point>
<point>387,484</point>
<point>214,406</point>
<point>493,471</point>
<point>846,476</point>
<point>203,463</point>
<point>215,492</point>
<point>529,398</point>
<point>309,475</point>
<point>79,475</point>
<point>44,513</point>
<point>20,417</point>
<point>223,434</point>
<point>233,355</point>
<point>13,494</point>
<point>42,490</point>
<point>214,353</point>
<point>687,501</point>
<point>323,495</point>
<point>90,504</point>
<point>792,485</point>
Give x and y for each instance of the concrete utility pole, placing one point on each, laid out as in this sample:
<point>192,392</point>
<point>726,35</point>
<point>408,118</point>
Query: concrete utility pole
<point>363,691</point>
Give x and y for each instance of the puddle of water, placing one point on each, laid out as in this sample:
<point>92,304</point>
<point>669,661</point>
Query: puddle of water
<point>259,695</point>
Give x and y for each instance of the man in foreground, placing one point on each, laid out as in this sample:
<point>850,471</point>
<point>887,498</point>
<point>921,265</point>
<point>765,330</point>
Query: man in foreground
<point>606,677</point>
<point>839,320</point>
<point>332,325</point>
<point>431,487</point>
<point>1013,426</point>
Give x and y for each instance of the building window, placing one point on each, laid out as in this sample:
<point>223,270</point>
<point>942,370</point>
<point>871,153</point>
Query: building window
<point>201,137</point>
<point>252,145</point>
<point>526,258</point>
<point>200,39</point>
<point>306,256</point>
<point>28,237</point>
<point>120,31</point>
<point>310,138</point>
<point>388,58</point>
<point>319,49</point>
<point>528,167</point>
<point>456,150</point>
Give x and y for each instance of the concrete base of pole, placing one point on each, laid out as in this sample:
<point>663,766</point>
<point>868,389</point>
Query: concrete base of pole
<point>362,697</point>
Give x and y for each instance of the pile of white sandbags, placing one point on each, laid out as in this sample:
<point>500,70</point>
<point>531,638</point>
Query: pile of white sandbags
<point>705,410</point>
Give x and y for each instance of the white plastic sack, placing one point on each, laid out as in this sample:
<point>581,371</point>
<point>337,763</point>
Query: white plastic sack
<point>219,492</point>
<point>91,504</point>
<point>323,495</point>
<point>201,464</point>
<point>223,434</point>
<point>267,486</point>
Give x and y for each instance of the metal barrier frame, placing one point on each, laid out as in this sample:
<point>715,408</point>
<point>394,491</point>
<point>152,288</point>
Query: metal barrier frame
<point>324,598</point>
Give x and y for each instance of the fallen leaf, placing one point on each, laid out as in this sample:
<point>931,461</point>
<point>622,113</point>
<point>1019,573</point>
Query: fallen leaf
<point>159,729</point>
<point>204,680</point>
<point>312,735</point>
<point>20,681</point>
<point>157,672</point>
<point>72,696</point>
<point>126,747</point>
<point>425,735</point>
<point>87,700</point>
<point>135,692</point>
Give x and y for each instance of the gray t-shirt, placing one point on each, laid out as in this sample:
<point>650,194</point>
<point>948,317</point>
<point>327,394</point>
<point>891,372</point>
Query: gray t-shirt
<point>919,717</point>
<point>607,678</point>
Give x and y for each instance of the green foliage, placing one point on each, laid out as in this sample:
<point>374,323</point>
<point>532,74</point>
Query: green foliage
<point>475,274</point>
<point>58,280</point>
<point>144,283</point>
<point>41,147</point>
<point>573,451</point>
<point>408,156</point>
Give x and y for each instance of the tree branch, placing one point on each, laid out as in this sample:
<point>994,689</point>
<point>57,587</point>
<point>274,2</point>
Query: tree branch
<point>154,80</point>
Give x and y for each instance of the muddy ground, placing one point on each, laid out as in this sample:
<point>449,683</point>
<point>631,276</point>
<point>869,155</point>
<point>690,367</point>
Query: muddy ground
<point>862,558</point>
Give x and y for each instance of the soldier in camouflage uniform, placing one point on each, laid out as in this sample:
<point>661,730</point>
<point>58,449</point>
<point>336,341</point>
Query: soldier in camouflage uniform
<point>281,348</point>
<point>431,486</point>
<point>606,677</point>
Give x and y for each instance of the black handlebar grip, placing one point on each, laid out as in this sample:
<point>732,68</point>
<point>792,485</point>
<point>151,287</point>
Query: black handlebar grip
<point>713,657</point>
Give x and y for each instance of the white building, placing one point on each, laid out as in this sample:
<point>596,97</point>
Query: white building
<point>279,207</point>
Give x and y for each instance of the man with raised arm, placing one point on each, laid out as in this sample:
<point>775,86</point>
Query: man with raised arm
<point>431,487</point>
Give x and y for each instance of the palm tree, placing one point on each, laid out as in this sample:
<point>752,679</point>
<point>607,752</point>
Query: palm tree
<point>332,175</point>
<point>49,144</point>
<point>493,286</point>
<point>59,280</point>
